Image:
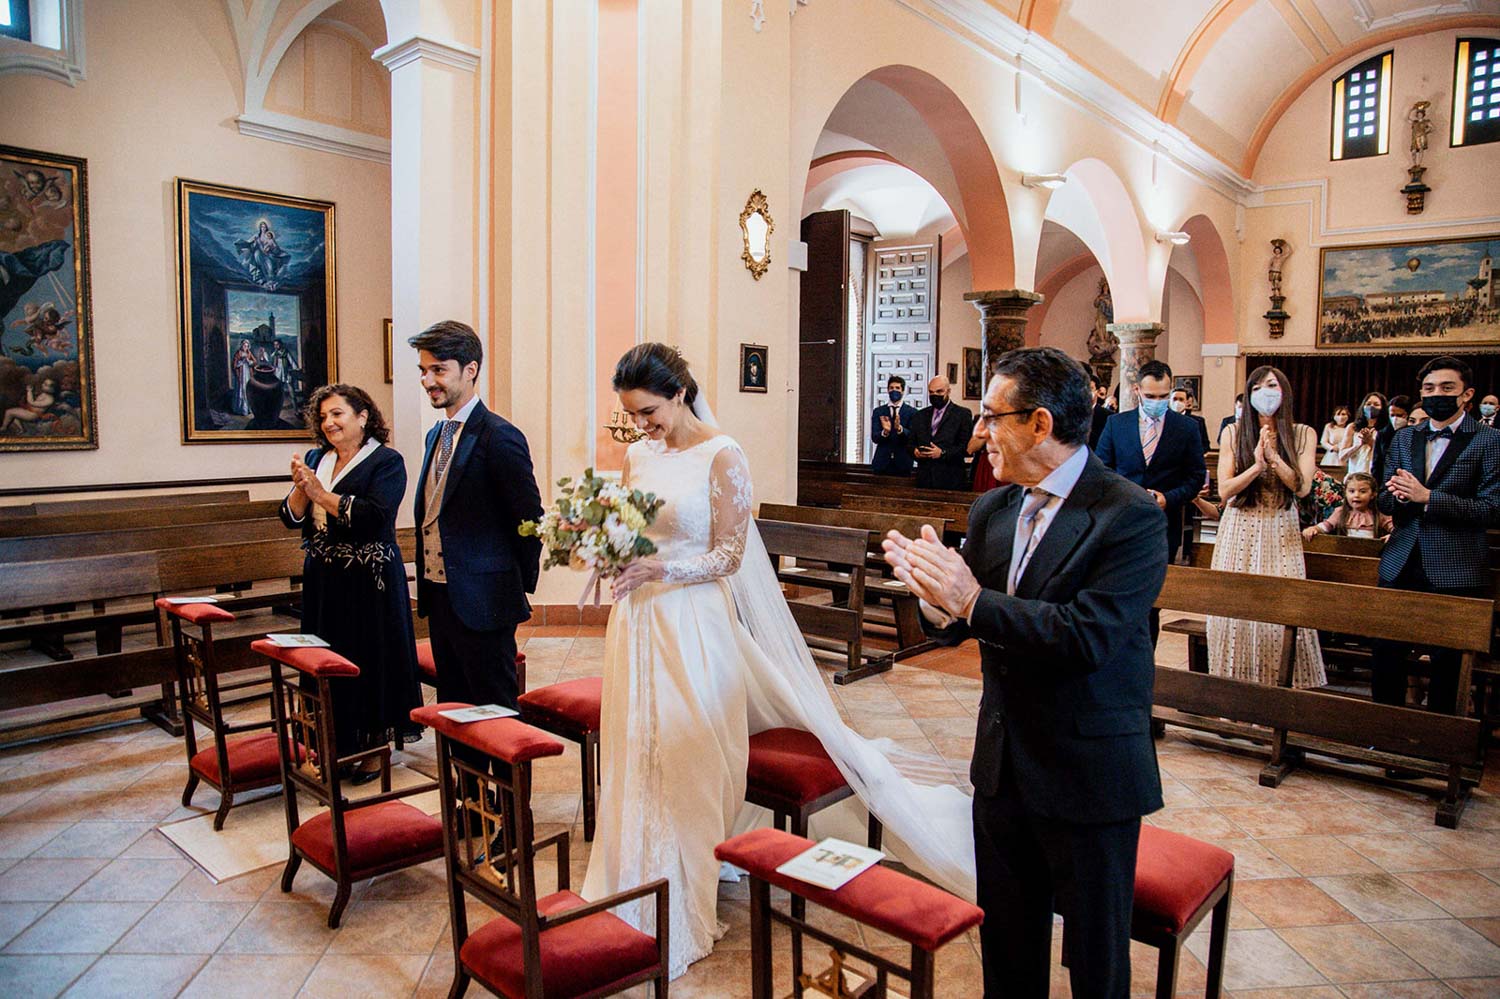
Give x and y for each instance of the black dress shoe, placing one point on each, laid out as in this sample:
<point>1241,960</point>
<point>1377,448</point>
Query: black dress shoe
<point>359,777</point>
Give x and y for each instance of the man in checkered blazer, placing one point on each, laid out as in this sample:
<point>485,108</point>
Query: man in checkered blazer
<point>1443,490</point>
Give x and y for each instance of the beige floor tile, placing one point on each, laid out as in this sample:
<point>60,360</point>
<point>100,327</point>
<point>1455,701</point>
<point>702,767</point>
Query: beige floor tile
<point>21,839</point>
<point>1351,953</point>
<point>1315,856</point>
<point>1470,847</point>
<point>1429,989</point>
<point>199,887</point>
<point>16,916</point>
<point>93,839</point>
<point>1377,897</point>
<point>36,880</point>
<point>1399,852</point>
<point>376,927</point>
<point>1279,902</point>
<point>251,976</point>
<point>78,928</point>
<point>1466,894</point>
<point>183,928</point>
<point>1295,992</point>
<point>133,881</point>
<point>276,927</point>
<point>40,976</point>
<point>136,976</point>
<point>1476,988</point>
<point>1445,947</point>
<point>365,976</point>
<point>1259,959</point>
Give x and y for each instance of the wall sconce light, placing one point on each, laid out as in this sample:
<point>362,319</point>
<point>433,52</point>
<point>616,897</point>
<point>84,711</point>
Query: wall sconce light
<point>1051,181</point>
<point>1175,238</point>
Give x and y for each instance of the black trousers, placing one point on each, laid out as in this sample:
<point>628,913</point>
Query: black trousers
<point>476,667</point>
<point>1388,682</point>
<point>1030,866</point>
<point>1174,544</point>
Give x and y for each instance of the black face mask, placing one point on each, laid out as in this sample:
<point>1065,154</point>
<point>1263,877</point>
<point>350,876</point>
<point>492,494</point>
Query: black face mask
<point>1440,408</point>
<point>938,401</point>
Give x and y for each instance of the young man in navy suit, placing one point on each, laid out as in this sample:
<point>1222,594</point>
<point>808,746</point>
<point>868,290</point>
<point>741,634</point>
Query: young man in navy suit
<point>1443,491</point>
<point>1061,564</point>
<point>1160,451</point>
<point>473,567</point>
<point>891,428</point>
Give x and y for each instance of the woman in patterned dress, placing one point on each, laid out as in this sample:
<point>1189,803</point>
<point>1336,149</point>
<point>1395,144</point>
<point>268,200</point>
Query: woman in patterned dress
<point>1266,461</point>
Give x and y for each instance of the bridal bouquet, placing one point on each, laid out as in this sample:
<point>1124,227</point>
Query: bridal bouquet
<point>597,524</point>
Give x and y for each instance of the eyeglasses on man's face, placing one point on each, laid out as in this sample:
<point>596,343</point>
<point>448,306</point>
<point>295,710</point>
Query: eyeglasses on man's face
<point>988,420</point>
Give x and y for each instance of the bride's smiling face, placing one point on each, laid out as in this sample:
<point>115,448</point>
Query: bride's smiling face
<point>654,415</point>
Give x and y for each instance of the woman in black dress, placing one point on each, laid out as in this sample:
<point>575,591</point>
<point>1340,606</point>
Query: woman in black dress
<point>344,498</point>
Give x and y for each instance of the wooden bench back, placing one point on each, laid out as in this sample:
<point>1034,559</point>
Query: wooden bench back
<point>840,547</point>
<point>122,520</point>
<point>107,503</point>
<point>1335,544</point>
<point>1458,623</point>
<point>876,523</point>
<point>956,513</point>
<point>821,483</point>
<point>51,547</point>
<point>27,585</point>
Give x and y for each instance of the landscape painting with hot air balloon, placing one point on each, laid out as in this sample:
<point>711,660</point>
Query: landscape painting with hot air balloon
<point>1430,294</point>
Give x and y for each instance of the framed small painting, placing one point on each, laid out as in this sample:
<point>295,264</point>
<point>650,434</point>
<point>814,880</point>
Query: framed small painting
<point>1436,293</point>
<point>46,327</point>
<point>973,373</point>
<point>752,368</point>
<point>256,311</point>
<point>952,373</point>
<point>388,330</point>
<point>1193,384</point>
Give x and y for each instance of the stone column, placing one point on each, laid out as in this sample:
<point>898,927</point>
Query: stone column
<point>1137,346</point>
<point>1002,322</point>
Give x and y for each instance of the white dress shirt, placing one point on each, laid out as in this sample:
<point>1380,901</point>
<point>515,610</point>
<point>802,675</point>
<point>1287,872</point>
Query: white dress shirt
<point>1059,483</point>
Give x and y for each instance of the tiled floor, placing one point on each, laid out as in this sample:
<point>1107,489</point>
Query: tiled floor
<point>1343,888</point>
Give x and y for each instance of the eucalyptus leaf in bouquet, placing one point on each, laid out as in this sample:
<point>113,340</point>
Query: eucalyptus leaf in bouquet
<point>595,523</point>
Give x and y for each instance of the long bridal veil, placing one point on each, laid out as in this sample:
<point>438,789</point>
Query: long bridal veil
<point>928,820</point>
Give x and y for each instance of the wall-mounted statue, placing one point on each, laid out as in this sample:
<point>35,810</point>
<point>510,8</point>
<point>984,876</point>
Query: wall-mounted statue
<point>1101,345</point>
<point>1421,127</point>
<point>1277,317</point>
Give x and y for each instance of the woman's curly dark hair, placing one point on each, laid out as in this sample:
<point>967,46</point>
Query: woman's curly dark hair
<point>375,426</point>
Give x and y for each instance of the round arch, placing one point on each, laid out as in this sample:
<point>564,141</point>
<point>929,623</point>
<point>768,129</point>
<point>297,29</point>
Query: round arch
<point>1215,287</point>
<point>1096,206</point>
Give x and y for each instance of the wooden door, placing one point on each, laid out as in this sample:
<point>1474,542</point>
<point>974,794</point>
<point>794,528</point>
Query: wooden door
<point>822,353</point>
<point>901,334</point>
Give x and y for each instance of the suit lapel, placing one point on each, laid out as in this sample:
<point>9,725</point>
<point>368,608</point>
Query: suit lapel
<point>999,538</point>
<point>1068,527</point>
<point>432,436</point>
<point>467,441</point>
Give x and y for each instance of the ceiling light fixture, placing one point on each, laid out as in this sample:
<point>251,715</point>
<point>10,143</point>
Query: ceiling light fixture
<point>1051,181</point>
<point>1175,238</point>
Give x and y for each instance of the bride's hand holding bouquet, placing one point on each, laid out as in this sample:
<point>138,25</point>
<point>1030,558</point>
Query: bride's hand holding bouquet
<point>599,524</point>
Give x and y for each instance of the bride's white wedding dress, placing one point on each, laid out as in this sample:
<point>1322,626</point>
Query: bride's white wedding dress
<point>696,663</point>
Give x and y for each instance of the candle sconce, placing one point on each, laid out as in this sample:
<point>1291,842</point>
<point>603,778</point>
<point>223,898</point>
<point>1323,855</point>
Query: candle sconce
<point>621,430</point>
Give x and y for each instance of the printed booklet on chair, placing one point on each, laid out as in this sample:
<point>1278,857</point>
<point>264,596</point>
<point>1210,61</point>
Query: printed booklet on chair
<point>290,641</point>
<point>831,864</point>
<point>480,712</point>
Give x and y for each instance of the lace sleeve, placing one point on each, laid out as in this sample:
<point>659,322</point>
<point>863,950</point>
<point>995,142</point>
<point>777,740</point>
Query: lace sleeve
<point>730,498</point>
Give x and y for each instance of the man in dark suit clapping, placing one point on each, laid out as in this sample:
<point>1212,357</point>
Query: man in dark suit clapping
<point>473,567</point>
<point>1443,491</point>
<point>1062,563</point>
<point>940,437</point>
<point>890,429</point>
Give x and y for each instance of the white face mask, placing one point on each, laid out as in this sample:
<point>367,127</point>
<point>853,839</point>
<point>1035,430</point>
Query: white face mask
<point>1265,401</point>
<point>1399,422</point>
<point>1178,406</point>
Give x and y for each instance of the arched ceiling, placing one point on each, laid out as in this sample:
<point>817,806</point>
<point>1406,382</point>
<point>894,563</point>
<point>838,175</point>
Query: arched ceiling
<point>1224,70</point>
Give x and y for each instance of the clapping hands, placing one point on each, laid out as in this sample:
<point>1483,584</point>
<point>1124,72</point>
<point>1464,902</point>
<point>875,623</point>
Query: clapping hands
<point>305,479</point>
<point>936,574</point>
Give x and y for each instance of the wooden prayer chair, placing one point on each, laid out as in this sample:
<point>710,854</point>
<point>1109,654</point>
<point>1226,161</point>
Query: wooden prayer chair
<point>571,709</point>
<point>352,840</point>
<point>922,915</point>
<point>557,945</point>
<point>1179,881</point>
<point>229,767</point>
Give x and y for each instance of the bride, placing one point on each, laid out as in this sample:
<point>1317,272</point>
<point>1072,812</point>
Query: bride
<point>701,651</point>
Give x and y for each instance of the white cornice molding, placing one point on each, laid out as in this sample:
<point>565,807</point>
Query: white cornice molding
<point>1367,18</point>
<point>1221,350</point>
<point>399,54</point>
<point>996,34</point>
<point>296,131</point>
<point>1321,233</point>
<point>64,64</point>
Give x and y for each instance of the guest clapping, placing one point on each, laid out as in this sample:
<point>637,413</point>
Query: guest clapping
<point>345,494</point>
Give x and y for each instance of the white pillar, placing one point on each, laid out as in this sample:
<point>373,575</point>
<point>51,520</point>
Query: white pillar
<point>435,225</point>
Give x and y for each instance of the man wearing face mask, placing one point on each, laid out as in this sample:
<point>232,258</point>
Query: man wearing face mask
<point>1063,562</point>
<point>940,438</point>
<point>1182,402</point>
<point>1443,490</point>
<point>1399,408</point>
<point>890,429</point>
<point>1159,450</point>
<point>1488,407</point>
<point>1239,411</point>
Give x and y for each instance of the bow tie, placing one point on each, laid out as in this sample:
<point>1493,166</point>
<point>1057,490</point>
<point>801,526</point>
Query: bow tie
<point>1445,434</point>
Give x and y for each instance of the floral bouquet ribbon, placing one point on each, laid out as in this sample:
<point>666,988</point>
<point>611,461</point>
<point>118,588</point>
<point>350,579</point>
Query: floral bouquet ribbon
<point>597,524</point>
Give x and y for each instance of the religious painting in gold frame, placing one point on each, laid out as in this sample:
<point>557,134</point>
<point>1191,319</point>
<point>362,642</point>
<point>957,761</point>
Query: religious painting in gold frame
<point>46,321</point>
<point>753,371</point>
<point>256,311</point>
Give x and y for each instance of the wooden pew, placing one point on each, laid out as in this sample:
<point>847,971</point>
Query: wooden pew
<point>956,513</point>
<point>53,547</point>
<point>904,615</point>
<point>1296,721</point>
<point>121,520</point>
<point>110,503</point>
<point>832,629</point>
<point>821,483</point>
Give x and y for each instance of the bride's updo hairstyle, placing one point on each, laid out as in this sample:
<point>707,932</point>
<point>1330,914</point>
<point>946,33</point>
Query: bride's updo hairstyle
<point>655,368</point>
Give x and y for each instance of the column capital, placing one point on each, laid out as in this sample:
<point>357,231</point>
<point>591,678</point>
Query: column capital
<point>418,48</point>
<point>1002,321</point>
<point>1018,297</point>
<point>1136,334</point>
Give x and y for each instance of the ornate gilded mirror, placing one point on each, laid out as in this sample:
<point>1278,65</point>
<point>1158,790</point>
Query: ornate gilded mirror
<point>756,227</point>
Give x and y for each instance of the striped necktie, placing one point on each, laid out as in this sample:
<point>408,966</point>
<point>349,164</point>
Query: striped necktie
<point>445,448</point>
<point>1036,499</point>
<point>1153,436</point>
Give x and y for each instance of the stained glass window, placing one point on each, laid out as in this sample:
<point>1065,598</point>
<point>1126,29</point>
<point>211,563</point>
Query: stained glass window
<point>1476,92</point>
<point>1362,109</point>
